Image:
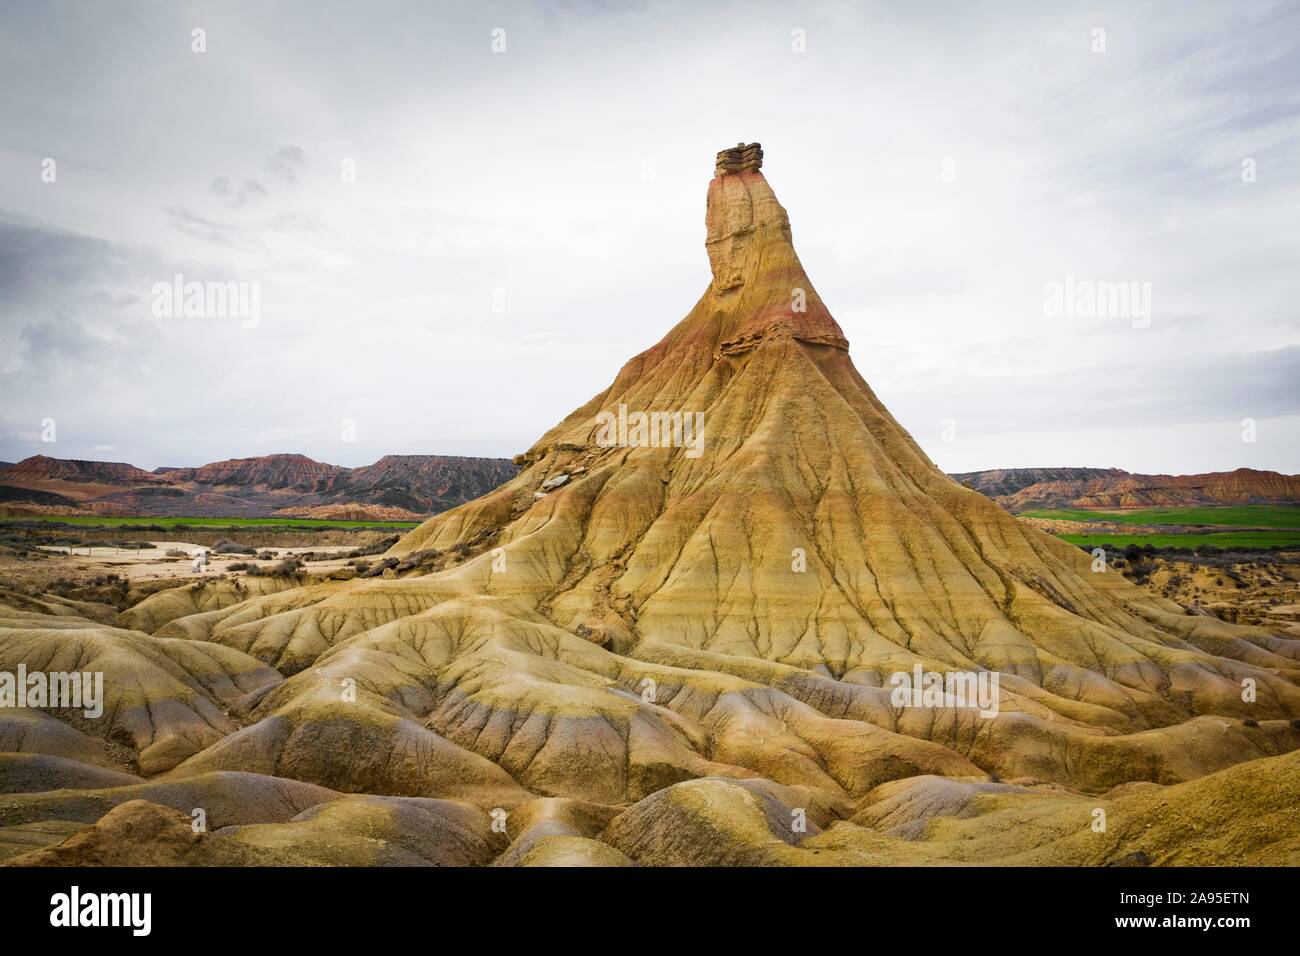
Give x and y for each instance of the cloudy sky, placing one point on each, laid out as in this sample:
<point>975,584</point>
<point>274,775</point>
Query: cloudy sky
<point>522,221</point>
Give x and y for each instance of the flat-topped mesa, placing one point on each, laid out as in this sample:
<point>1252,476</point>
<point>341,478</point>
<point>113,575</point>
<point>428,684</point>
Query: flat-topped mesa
<point>757,277</point>
<point>739,158</point>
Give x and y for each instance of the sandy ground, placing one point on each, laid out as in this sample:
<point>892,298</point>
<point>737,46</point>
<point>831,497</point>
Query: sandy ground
<point>145,564</point>
<point>1262,590</point>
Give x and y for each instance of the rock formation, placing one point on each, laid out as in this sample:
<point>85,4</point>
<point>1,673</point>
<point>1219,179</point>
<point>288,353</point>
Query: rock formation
<point>672,638</point>
<point>269,472</point>
<point>1023,489</point>
<point>396,487</point>
<point>997,482</point>
<point>70,480</point>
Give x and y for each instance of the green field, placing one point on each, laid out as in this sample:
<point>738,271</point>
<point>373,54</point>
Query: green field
<point>95,521</point>
<point>1236,516</point>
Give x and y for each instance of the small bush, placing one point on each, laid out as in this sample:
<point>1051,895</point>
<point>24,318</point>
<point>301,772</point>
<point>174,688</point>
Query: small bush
<point>288,568</point>
<point>419,559</point>
<point>225,546</point>
<point>381,567</point>
<point>379,547</point>
<point>1251,722</point>
<point>240,566</point>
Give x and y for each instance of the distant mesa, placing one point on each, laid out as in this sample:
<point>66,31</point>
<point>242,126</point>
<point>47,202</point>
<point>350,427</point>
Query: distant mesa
<point>396,487</point>
<point>1025,489</point>
<point>42,468</point>
<point>271,472</point>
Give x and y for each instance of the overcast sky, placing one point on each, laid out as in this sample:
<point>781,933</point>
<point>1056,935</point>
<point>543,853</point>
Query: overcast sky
<point>522,222</point>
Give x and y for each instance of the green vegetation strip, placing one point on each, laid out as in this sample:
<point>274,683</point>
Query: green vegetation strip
<point>144,521</point>
<point>1225,539</point>
<point>1240,516</point>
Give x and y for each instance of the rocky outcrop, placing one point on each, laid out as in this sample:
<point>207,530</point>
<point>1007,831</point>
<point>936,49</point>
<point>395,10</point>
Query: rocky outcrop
<point>423,484</point>
<point>65,484</point>
<point>397,487</point>
<point>998,482</point>
<point>738,159</point>
<point>41,468</point>
<point>267,473</point>
<point>1024,489</point>
<point>757,276</point>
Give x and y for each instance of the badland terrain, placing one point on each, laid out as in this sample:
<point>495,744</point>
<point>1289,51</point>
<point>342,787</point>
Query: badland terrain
<point>805,645</point>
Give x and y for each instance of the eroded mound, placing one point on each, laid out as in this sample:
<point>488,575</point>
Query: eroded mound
<point>139,833</point>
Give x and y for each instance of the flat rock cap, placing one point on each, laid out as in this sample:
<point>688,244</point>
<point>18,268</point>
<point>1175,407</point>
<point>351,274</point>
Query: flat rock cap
<point>739,157</point>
